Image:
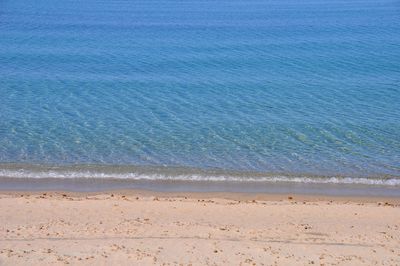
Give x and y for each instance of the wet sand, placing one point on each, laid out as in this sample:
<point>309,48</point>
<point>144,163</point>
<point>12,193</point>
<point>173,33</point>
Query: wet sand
<point>146,228</point>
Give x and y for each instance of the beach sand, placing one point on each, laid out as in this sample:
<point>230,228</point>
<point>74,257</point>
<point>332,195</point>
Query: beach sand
<point>146,228</point>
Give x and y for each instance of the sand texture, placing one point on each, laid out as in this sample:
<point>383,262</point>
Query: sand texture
<point>135,229</point>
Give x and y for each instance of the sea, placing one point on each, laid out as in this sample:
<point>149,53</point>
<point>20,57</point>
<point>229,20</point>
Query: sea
<point>256,93</point>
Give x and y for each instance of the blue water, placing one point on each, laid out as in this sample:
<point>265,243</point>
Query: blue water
<point>274,87</point>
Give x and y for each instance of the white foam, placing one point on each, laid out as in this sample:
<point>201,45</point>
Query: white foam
<point>22,173</point>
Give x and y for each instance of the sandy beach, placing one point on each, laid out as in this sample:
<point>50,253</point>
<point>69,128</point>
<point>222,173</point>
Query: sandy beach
<point>149,228</point>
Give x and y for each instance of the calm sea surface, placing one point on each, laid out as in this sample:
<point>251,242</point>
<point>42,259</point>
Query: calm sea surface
<point>273,89</point>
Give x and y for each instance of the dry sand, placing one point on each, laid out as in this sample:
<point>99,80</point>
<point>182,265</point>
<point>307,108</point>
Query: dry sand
<point>138,228</point>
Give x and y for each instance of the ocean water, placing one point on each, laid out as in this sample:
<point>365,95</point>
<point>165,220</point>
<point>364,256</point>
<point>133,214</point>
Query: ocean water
<point>272,90</point>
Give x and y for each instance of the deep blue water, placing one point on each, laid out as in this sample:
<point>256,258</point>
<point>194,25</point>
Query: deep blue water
<point>275,86</point>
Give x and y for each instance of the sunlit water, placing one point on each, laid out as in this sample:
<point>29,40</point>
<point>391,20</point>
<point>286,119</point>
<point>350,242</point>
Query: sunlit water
<point>276,89</point>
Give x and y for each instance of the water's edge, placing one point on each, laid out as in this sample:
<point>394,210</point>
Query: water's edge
<point>92,178</point>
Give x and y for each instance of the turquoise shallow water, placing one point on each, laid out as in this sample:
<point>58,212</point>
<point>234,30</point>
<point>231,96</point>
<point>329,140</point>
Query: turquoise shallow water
<point>271,88</point>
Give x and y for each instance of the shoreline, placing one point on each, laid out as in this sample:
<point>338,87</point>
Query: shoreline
<point>156,228</point>
<point>87,185</point>
<point>188,174</point>
<point>103,178</point>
